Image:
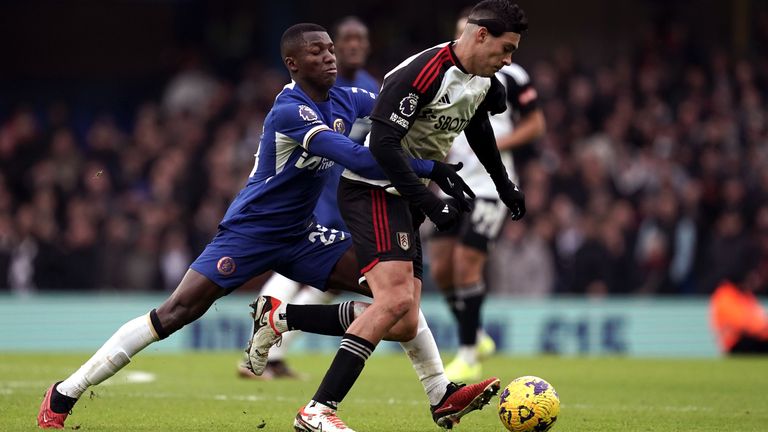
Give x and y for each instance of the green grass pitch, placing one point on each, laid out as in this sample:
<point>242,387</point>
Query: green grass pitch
<point>200,392</point>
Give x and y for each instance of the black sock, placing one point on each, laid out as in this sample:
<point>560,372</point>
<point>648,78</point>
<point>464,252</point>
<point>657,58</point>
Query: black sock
<point>471,297</point>
<point>331,320</point>
<point>454,303</point>
<point>345,368</point>
<point>155,320</point>
<point>61,403</point>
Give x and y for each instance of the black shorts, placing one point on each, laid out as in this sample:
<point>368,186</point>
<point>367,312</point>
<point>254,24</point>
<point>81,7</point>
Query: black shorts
<point>480,228</point>
<point>384,227</point>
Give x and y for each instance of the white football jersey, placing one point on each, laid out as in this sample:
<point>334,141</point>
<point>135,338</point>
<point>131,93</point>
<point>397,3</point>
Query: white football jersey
<point>431,96</point>
<point>521,98</point>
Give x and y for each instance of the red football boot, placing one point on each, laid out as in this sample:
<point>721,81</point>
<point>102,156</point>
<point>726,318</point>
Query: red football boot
<point>460,400</point>
<point>47,418</point>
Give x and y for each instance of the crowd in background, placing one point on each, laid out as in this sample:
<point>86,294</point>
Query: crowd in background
<point>652,178</point>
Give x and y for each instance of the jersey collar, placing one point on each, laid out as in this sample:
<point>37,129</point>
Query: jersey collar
<point>454,58</point>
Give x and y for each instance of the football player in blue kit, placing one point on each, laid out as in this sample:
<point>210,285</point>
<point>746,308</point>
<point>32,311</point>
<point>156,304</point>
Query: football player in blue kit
<point>352,45</point>
<point>270,224</point>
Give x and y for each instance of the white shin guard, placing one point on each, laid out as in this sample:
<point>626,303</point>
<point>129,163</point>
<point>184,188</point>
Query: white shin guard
<point>425,357</point>
<point>132,337</point>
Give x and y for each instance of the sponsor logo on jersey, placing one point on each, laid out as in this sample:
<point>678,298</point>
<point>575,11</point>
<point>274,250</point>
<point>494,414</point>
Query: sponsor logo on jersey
<point>313,162</point>
<point>338,126</point>
<point>306,113</point>
<point>226,266</point>
<point>403,241</point>
<point>448,123</point>
<point>399,120</point>
<point>408,104</point>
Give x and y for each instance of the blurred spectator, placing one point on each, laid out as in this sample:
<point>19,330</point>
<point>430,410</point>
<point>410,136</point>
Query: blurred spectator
<point>521,264</point>
<point>174,259</point>
<point>726,250</point>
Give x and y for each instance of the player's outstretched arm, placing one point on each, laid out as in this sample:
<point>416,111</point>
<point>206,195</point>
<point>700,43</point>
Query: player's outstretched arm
<point>480,137</point>
<point>359,159</point>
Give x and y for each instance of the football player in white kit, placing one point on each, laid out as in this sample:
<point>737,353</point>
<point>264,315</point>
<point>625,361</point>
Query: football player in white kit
<point>457,256</point>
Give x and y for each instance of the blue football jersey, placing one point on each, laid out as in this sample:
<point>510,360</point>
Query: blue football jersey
<point>327,210</point>
<point>287,179</point>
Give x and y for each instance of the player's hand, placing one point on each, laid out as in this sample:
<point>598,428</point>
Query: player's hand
<point>445,176</point>
<point>513,198</point>
<point>442,214</point>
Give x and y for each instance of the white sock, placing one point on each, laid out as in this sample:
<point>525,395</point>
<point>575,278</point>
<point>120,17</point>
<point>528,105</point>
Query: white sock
<point>306,295</point>
<point>425,357</point>
<point>468,353</point>
<point>132,337</point>
<point>281,287</point>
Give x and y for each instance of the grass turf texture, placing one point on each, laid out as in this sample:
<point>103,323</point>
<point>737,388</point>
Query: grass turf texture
<point>200,392</point>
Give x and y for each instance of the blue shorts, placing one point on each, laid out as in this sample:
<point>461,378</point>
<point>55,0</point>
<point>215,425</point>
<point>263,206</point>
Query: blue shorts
<point>231,259</point>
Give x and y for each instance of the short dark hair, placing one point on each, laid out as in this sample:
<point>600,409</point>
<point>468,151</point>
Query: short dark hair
<point>292,36</point>
<point>509,16</point>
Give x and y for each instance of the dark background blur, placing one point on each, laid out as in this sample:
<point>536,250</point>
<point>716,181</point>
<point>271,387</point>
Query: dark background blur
<point>127,126</point>
<point>97,51</point>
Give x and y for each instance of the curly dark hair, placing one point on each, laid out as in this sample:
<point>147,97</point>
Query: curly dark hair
<point>510,14</point>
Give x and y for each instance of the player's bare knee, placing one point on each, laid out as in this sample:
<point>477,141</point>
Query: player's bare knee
<point>399,307</point>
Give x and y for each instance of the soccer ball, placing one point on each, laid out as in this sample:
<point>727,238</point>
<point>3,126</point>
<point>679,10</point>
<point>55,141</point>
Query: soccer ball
<point>529,404</point>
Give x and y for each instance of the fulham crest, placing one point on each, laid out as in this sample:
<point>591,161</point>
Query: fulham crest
<point>403,241</point>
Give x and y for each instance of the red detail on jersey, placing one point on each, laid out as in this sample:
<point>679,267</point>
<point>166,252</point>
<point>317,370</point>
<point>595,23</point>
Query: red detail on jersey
<point>387,243</point>
<point>430,71</point>
<point>380,220</point>
<point>527,96</point>
<point>375,215</point>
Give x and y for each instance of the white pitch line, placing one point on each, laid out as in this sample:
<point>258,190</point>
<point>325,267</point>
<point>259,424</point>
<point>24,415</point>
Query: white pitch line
<point>684,408</point>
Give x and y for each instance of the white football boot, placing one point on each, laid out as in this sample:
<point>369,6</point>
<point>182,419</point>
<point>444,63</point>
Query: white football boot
<point>266,333</point>
<point>316,417</point>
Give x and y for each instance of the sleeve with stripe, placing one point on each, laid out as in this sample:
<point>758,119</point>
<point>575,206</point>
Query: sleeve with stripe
<point>521,94</point>
<point>299,122</point>
<point>404,93</point>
